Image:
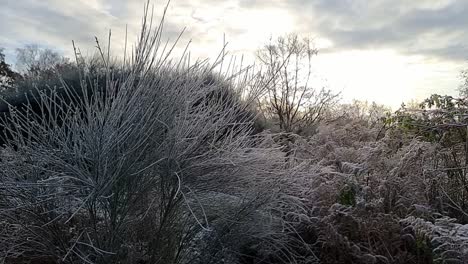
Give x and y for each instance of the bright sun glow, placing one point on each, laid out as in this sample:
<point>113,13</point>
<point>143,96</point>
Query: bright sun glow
<point>216,22</point>
<point>383,76</point>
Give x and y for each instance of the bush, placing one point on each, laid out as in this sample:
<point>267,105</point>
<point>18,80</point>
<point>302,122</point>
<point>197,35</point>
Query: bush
<point>156,165</point>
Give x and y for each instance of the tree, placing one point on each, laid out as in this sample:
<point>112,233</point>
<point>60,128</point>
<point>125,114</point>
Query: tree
<point>34,61</point>
<point>289,95</point>
<point>463,88</point>
<point>7,75</point>
<point>370,113</point>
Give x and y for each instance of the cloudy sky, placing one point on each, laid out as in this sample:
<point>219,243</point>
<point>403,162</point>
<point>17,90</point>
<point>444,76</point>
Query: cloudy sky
<point>387,51</point>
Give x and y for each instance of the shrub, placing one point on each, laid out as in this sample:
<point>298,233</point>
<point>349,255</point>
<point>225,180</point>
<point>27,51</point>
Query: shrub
<point>153,166</point>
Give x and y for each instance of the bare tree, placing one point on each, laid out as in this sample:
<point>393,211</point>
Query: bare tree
<point>32,60</point>
<point>290,97</point>
<point>370,113</point>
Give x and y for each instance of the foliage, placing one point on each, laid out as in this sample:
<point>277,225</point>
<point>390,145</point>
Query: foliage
<point>442,120</point>
<point>347,196</point>
<point>7,75</point>
<point>358,189</point>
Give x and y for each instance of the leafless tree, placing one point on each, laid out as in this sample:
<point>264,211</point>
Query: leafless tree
<point>370,113</point>
<point>31,59</point>
<point>289,95</point>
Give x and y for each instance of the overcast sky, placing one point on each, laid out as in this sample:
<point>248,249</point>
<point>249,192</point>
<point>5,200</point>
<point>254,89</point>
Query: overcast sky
<point>387,51</point>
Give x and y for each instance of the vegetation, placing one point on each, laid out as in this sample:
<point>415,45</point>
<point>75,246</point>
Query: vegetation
<point>7,75</point>
<point>161,161</point>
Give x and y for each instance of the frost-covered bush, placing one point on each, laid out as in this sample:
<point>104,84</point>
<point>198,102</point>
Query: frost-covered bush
<point>441,121</point>
<point>156,165</point>
<point>447,239</point>
<point>356,187</point>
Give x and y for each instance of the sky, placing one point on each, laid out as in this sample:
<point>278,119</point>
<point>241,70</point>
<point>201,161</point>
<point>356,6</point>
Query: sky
<point>387,51</point>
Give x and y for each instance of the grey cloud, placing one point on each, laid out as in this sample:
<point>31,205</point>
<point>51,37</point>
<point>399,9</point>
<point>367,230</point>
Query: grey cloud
<point>54,23</point>
<point>412,30</point>
<point>409,27</point>
<point>423,27</point>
